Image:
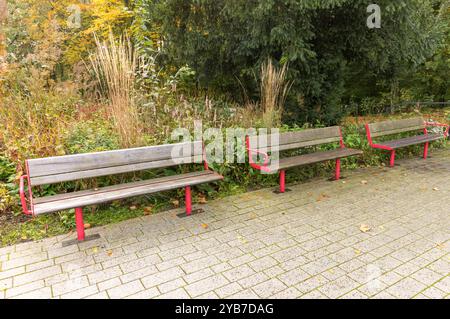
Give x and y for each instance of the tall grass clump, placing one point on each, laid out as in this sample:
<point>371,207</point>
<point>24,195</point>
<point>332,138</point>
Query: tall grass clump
<point>274,88</point>
<point>114,65</point>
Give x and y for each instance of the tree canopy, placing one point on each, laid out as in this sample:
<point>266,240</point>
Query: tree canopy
<point>327,44</point>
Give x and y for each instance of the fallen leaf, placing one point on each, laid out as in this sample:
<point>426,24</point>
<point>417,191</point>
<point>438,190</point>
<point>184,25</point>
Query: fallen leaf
<point>109,253</point>
<point>253,215</point>
<point>364,228</point>
<point>441,246</point>
<point>87,225</point>
<point>148,210</point>
<point>331,271</point>
<point>204,226</point>
<point>202,199</point>
<point>242,239</point>
<point>435,189</point>
<point>95,250</point>
<point>133,207</point>
<point>322,196</point>
<point>343,182</point>
<point>176,202</point>
<point>95,189</point>
<point>364,182</point>
<point>357,252</point>
<point>382,227</point>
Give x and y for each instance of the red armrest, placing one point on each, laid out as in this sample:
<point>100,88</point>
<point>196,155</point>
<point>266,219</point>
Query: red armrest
<point>253,164</point>
<point>23,199</point>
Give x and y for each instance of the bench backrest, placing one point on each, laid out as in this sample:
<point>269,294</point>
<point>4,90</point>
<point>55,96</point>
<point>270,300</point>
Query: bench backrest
<point>293,140</point>
<point>73,167</point>
<point>397,126</point>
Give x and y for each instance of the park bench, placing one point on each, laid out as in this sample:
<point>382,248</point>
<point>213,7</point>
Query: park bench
<point>50,170</point>
<point>265,144</point>
<point>400,126</point>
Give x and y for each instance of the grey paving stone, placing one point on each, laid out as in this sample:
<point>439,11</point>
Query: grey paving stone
<point>269,288</point>
<point>125,289</point>
<point>406,288</point>
<point>203,286</point>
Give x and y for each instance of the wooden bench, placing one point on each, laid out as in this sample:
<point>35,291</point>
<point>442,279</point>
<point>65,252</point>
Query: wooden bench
<point>400,126</point>
<point>265,144</point>
<point>59,169</point>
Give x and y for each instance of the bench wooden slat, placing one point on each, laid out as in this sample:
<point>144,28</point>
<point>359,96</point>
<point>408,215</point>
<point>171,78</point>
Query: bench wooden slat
<point>112,193</point>
<point>58,178</point>
<point>292,140</point>
<point>317,157</point>
<point>394,127</point>
<point>71,195</point>
<point>413,140</point>
<point>72,167</point>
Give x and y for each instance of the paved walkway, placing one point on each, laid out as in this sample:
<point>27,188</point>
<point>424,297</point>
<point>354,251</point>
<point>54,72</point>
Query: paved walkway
<point>306,243</point>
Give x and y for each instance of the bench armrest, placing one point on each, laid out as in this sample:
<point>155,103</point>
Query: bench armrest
<point>253,164</point>
<point>23,199</point>
<point>439,124</point>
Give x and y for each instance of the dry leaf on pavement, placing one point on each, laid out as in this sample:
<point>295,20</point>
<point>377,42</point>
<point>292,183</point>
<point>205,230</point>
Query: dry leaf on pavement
<point>364,228</point>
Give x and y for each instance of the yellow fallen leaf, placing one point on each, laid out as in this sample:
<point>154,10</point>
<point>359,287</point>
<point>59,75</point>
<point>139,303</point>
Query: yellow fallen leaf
<point>176,202</point>
<point>109,253</point>
<point>435,189</point>
<point>148,210</point>
<point>95,250</point>
<point>364,228</point>
<point>87,226</point>
<point>202,199</point>
<point>357,252</point>
<point>440,246</point>
<point>204,226</point>
<point>364,182</point>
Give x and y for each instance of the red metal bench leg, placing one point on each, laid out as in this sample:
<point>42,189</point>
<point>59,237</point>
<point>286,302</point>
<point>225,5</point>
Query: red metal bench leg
<point>188,200</point>
<point>392,158</point>
<point>79,222</point>
<point>338,169</point>
<point>282,181</point>
<point>425,150</point>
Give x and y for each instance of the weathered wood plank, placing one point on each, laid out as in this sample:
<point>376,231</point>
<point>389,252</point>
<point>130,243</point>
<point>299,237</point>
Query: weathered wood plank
<point>135,190</point>
<point>64,177</point>
<point>413,140</point>
<point>292,140</point>
<point>81,193</point>
<point>91,161</point>
<point>316,157</point>
<point>394,127</point>
<point>73,167</point>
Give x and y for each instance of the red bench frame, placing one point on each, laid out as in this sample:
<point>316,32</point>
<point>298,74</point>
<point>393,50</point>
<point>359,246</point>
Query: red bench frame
<point>392,151</point>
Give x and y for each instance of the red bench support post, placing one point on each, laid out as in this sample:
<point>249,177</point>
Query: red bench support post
<point>282,181</point>
<point>188,200</point>
<point>338,169</point>
<point>425,150</point>
<point>391,163</point>
<point>79,222</point>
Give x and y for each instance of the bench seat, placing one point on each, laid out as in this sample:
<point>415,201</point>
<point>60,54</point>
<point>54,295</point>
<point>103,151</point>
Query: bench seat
<point>417,124</point>
<point>276,142</point>
<point>49,204</point>
<point>413,140</point>
<point>312,158</point>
